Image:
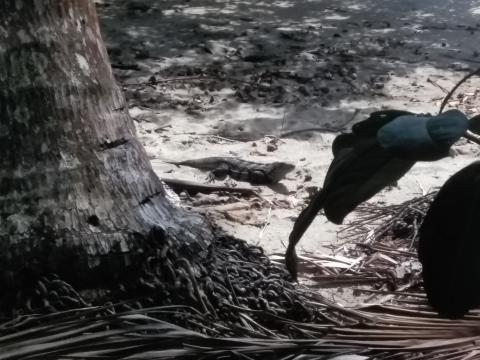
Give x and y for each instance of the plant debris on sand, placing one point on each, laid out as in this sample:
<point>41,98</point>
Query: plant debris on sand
<point>252,311</point>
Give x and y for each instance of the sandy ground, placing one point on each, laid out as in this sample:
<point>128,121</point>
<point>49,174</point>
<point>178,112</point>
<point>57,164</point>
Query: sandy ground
<point>212,78</point>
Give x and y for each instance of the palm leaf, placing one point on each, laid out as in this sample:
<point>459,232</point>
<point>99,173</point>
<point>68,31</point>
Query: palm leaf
<point>391,325</point>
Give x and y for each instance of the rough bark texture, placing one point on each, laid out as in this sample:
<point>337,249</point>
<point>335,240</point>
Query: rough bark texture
<point>77,192</point>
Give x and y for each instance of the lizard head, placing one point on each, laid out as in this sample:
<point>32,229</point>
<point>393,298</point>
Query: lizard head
<point>278,171</point>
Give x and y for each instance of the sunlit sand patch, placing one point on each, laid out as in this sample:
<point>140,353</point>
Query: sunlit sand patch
<point>475,10</point>
<point>336,17</point>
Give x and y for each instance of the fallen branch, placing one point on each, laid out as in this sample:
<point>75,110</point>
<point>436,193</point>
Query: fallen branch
<point>193,187</point>
<point>433,82</point>
<point>449,95</point>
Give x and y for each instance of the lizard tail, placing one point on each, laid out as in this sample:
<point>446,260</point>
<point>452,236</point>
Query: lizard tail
<point>301,225</point>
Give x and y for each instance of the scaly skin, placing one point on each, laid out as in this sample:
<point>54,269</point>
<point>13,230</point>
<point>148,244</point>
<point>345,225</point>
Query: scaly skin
<point>242,170</point>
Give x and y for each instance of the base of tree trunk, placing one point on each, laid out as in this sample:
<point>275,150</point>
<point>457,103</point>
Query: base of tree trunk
<point>152,260</point>
<point>232,278</point>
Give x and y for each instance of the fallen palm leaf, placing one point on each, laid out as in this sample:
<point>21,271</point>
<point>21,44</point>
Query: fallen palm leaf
<point>399,325</point>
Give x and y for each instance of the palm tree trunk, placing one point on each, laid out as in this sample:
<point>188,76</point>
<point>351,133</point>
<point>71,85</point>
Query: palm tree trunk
<point>78,195</point>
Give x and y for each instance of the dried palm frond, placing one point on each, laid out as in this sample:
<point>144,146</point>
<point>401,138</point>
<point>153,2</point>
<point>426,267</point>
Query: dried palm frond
<point>394,331</point>
<point>395,322</point>
<point>89,333</point>
<point>374,222</point>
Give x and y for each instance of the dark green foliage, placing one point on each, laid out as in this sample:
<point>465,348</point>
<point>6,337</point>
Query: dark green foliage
<point>423,138</point>
<point>376,120</point>
<point>379,151</point>
<point>360,169</point>
<point>474,124</point>
<point>449,245</point>
<point>343,142</point>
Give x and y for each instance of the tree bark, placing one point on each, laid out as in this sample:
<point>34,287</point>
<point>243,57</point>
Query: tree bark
<point>78,196</point>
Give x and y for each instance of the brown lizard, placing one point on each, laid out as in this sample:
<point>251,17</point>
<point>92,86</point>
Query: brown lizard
<point>242,170</point>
